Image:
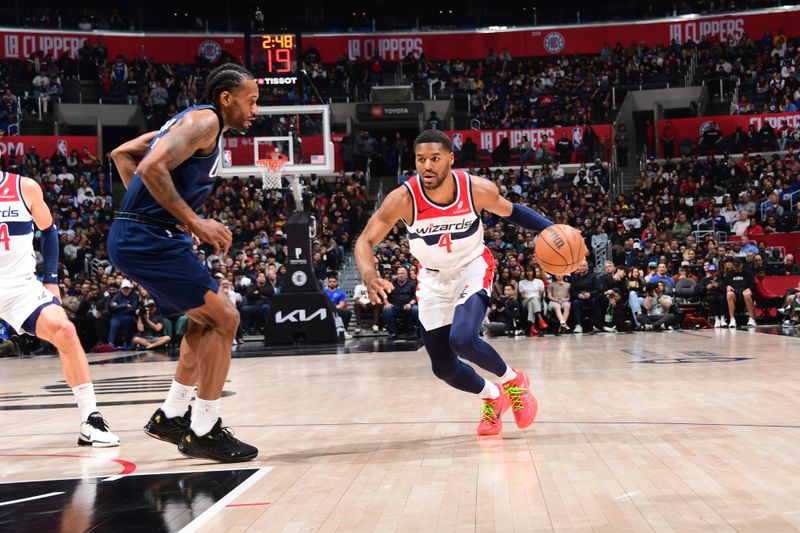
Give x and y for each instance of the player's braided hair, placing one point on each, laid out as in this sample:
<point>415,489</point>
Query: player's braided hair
<point>434,136</point>
<point>225,77</point>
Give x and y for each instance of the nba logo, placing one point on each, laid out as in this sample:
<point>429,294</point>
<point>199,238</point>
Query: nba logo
<point>226,159</point>
<point>61,146</point>
<point>458,140</point>
<point>577,137</point>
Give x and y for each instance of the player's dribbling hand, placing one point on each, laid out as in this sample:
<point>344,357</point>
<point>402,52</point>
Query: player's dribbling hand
<point>378,290</point>
<point>213,233</point>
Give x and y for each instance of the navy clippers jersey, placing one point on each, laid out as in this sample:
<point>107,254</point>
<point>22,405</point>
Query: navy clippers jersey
<point>194,178</point>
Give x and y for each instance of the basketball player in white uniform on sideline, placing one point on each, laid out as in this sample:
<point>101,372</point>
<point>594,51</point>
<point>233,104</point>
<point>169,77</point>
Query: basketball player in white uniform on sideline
<point>441,209</point>
<point>33,307</point>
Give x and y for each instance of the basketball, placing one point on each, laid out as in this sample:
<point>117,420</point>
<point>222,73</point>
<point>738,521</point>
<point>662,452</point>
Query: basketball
<point>560,249</point>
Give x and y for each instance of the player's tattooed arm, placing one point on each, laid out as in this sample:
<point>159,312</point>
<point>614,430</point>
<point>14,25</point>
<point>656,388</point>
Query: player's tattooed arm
<point>396,206</point>
<point>195,132</point>
<point>127,156</point>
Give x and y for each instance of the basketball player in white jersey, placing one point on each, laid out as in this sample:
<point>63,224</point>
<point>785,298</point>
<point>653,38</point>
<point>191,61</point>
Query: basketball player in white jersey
<point>441,209</point>
<point>33,307</point>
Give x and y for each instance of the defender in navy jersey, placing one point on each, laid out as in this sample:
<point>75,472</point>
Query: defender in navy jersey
<point>169,175</point>
<point>441,209</point>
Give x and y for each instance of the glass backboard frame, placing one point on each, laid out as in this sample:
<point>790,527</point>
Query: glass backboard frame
<point>243,171</point>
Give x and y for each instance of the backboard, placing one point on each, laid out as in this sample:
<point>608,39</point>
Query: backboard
<point>302,133</point>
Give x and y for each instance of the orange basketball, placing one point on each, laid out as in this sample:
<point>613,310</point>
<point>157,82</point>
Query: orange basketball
<point>560,249</point>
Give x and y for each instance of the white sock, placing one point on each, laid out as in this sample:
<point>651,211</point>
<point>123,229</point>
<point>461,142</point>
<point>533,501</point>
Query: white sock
<point>508,376</point>
<point>205,415</point>
<point>84,395</point>
<point>490,390</point>
<point>178,399</point>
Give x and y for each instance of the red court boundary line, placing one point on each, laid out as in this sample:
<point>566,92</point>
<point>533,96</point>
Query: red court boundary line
<point>127,466</point>
<point>247,504</point>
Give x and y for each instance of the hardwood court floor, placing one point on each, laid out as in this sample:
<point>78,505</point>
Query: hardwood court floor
<point>674,431</point>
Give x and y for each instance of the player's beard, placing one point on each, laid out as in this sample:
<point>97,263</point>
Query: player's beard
<point>437,183</point>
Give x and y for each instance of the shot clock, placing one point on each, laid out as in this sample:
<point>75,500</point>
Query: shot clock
<point>274,57</point>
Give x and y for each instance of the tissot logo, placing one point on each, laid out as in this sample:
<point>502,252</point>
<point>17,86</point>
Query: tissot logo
<point>433,229</point>
<point>299,315</point>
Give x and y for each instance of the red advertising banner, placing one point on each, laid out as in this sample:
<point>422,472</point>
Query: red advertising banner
<point>163,48</point>
<point>46,146</point>
<point>554,40</point>
<point>489,139</point>
<point>240,149</point>
<point>693,128</point>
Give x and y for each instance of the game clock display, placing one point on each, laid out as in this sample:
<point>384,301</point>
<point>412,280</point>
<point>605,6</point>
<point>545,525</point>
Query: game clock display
<point>274,55</point>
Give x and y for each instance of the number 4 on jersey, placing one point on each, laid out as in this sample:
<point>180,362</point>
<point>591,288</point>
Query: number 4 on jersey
<point>446,242</point>
<point>5,240</point>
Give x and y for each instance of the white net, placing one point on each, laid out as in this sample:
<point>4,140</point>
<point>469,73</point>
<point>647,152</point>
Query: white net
<point>271,171</point>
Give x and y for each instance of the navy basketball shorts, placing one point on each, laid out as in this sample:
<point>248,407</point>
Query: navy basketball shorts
<point>163,262</point>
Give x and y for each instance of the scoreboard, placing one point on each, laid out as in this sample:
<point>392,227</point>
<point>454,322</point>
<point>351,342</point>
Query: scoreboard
<point>274,58</point>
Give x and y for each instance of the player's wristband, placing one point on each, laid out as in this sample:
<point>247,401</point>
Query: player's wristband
<point>527,218</point>
<point>49,245</point>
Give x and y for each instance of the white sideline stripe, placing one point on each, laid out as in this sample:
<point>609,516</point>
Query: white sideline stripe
<point>120,476</point>
<point>209,513</point>
<point>39,497</point>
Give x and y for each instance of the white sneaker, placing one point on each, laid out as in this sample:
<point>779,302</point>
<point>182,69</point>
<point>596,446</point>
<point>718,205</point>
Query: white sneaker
<point>723,322</point>
<point>717,322</point>
<point>788,324</point>
<point>732,324</point>
<point>357,332</point>
<point>751,323</point>
<point>610,329</point>
<point>375,328</point>
<point>347,336</point>
<point>94,432</point>
<point>578,329</point>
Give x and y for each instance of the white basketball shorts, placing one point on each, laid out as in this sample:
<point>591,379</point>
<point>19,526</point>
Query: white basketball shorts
<point>439,292</point>
<point>19,298</point>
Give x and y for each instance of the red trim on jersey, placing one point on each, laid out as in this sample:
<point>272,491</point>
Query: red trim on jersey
<point>9,190</point>
<point>489,274</point>
<point>427,209</point>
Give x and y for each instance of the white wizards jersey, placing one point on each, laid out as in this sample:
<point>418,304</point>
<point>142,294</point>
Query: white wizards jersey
<point>17,258</point>
<point>445,237</point>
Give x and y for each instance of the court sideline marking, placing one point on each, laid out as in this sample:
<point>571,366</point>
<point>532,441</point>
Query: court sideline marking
<point>209,513</point>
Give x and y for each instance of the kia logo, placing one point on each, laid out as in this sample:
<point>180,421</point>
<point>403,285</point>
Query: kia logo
<point>299,315</point>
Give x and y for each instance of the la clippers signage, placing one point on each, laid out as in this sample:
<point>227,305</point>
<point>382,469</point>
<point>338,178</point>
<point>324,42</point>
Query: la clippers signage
<point>693,128</point>
<point>490,139</point>
<point>407,111</point>
<point>163,48</point>
<point>544,41</point>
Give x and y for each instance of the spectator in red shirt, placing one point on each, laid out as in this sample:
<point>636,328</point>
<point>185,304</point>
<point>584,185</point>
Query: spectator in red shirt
<point>753,229</point>
<point>88,159</point>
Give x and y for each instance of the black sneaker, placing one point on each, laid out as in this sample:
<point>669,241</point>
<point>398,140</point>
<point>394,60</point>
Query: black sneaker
<point>219,444</point>
<point>168,429</point>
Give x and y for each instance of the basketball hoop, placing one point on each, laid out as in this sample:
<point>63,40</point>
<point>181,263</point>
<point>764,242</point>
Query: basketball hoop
<point>271,170</point>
